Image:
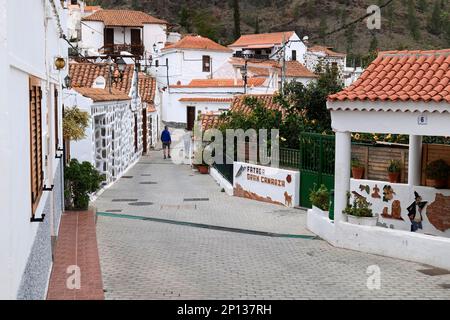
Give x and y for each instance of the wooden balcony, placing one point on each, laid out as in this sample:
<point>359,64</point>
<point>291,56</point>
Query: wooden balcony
<point>116,49</point>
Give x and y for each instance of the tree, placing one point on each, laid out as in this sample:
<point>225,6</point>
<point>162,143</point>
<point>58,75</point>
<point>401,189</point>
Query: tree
<point>257,25</point>
<point>323,27</point>
<point>435,21</point>
<point>422,5</point>
<point>75,123</point>
<point>184,17</point>
<point>136,5</point>
<point>413,23</point>
<point>237,19</point>
<point>350,37</point>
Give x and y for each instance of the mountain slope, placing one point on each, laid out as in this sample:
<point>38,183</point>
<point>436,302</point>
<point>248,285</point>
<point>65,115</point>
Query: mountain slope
<point>405,23</point>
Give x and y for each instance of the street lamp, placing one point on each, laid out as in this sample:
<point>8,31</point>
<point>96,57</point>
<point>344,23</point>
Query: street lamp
<point>121,65</point>
<point>244,76</point>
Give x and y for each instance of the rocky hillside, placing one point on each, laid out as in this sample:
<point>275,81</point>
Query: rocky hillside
<point>406,24</point>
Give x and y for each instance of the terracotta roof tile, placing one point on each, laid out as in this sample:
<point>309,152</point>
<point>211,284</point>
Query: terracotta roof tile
<point>269,39</point>
<point>84,75</point>
<point>326,50</point>
<point>98,95</point>
<point>123,18</point>
<point>418,76</point>
<point>198,43</point>
<point>210,120</point>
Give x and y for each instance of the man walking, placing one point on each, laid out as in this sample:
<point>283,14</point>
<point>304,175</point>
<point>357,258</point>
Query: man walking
<point>166,141</point>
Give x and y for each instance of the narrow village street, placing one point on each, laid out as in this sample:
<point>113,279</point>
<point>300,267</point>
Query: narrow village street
<point>159,238</point>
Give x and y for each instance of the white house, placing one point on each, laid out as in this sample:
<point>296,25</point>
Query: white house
<point>123,117</point>
<point>31,193</point>
<point>324,56</point>
<point>193,57</point>
<point>183,103</point>
<point>269,46</point>
<point>115,31</point>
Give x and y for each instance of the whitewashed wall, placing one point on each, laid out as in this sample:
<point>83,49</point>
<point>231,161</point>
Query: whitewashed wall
<point>185,65</point>
<point>24,52</point>
<point>403,197</point>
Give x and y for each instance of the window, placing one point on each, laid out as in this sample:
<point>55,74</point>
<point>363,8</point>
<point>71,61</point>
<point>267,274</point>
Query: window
<point>37,174</point>
<point>56,121</point>
<point>206,64</point>
<point>157,63</point>
<point>294,55</point>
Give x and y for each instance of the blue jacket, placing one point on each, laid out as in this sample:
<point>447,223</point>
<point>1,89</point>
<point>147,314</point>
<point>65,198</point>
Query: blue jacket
<point>165,136</point>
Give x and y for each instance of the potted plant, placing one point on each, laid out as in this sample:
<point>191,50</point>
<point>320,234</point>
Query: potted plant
<point>357,169</point>
<point>320,199</point>
<point>360,212</point>
<point>80,180</point>
<point>199,162</point>
<point>394,168</point>
<point>437,173</point>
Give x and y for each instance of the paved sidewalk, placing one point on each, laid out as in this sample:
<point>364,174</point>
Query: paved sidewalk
<point>76,246</point>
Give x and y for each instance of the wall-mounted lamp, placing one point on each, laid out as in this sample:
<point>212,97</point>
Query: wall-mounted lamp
<point>67,82</point>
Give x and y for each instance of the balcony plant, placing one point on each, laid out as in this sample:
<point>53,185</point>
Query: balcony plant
<point>437,173</point>
<point>320,197</point>
<point>357,169</point>
<point>360,212</point>
<point>394,168</point>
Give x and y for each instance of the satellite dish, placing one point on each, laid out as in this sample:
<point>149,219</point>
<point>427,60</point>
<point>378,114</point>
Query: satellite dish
<point>99,83</point>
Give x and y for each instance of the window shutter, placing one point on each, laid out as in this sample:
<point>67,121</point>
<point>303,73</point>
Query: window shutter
<point>56,121</point>
<point>37,174</point>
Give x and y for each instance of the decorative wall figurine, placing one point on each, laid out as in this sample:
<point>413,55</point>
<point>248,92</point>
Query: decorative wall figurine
<point>388,193</point>
<point>365,188</point>
<point>385,213</point>
<point>396,210</point>
<point>376,192</point>
<point>415,212</point>
<point>358,196</point>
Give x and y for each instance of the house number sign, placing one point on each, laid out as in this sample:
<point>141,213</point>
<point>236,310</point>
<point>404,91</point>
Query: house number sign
<point>422,120</point>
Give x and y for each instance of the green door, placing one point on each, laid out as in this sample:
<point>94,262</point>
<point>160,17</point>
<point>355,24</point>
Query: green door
<point>316,164</point>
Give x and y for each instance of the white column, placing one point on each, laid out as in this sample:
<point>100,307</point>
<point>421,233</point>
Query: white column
<point>415,160</point>
<point>342,173</point>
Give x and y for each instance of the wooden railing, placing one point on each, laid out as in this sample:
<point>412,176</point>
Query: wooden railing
<point>135,49</point>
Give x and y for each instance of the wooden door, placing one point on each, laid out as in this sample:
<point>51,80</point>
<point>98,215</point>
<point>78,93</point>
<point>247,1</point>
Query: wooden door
<point>190,118</point>
<point>108,36</point>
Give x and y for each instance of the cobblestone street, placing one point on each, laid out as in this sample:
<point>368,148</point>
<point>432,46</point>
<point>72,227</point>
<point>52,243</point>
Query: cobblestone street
<point>145,258</point>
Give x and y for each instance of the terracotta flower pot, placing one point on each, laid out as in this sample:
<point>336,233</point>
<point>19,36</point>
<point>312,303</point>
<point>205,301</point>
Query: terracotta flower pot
<point>203,169</point>
<point>357,172</point>
<point>437,183</point>
<point>394,177</point>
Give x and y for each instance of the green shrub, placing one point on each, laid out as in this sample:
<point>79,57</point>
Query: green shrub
<point>438,169</point>
<point>320,197</point>
<point>355,163</point>
<point>81,179</point>
<point>359,208</point>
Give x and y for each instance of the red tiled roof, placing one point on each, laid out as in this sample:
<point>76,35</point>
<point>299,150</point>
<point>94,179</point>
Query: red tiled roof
<point>84,75</point>
<point>403,76</point>
<point>206,99</point>
<point>259,40</point>
<point>221,83</point>
<point>327,51</point>
<point>198,43</point>
<point>123,18</point>
<point>98,95</point>
<point>260,68</point>
<point>268,101</point>
<point>209,120</point>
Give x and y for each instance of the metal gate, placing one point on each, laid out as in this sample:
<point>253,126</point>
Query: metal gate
<point>316,164</point>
